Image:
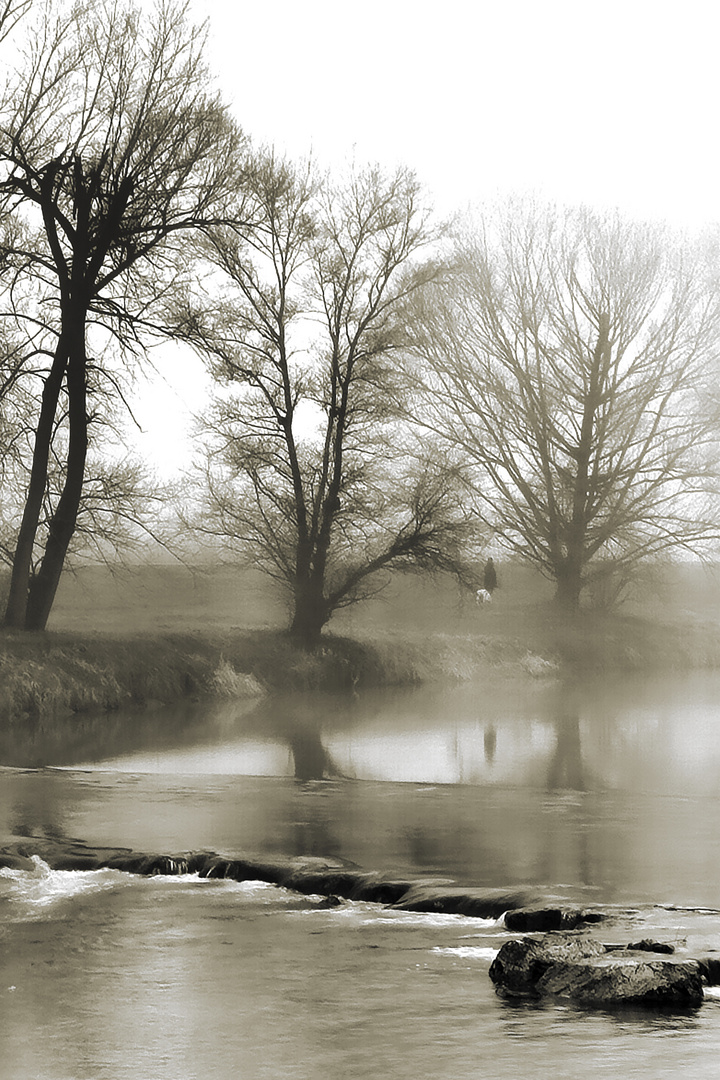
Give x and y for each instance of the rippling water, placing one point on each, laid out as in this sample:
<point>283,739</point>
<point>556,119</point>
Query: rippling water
<point>106,975</point>
<point>599,795</point>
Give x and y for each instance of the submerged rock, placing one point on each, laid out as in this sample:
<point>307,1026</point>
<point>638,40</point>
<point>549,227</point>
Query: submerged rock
<point>648,945</point>
<point>148,865</point>
<point>329,902</point>
<point>581,969</point>
<point>12,861</point>
<point>350,884</point>
<point>243,870</point>
<point>526,920</point>
<point>455,900</point>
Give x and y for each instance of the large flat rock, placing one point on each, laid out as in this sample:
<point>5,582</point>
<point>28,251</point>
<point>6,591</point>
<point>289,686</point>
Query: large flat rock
<point>580,968</point>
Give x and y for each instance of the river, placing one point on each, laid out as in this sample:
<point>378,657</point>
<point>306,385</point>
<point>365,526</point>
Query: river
<point>601,793</point>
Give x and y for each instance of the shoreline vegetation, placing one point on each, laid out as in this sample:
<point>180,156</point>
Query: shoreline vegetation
<point>160,637</point>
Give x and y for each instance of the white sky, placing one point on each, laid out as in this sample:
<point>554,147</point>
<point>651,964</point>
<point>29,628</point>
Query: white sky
<point>608,104</point>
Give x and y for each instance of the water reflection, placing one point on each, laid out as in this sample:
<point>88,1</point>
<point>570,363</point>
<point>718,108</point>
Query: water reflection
<point>490,743</point>
<point>68,738</point>
<point>566,764</point>
<point>629,736</point>
<point>298,722</point>
<point>39,814</point>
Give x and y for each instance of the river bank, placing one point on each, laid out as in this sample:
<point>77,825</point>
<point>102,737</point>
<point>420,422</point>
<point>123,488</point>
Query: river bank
<point>66,672</point>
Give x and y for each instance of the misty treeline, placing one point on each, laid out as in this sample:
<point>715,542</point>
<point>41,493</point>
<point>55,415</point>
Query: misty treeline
<point>390,393</point>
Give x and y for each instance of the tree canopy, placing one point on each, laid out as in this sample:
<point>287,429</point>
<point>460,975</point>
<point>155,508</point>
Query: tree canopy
<point>111,149</point>
<point>567,362</point>
<point>309,468</point>
<point>382,403</point>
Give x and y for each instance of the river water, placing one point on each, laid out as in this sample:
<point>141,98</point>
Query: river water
<point>598,793</point>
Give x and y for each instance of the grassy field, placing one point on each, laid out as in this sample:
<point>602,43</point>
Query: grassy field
<point>159,633</point>
<point>677,620</point>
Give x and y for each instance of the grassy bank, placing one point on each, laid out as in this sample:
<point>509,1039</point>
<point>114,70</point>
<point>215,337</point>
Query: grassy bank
<point>65,672</point>
<point>71,672</point>
<point>163,633</point>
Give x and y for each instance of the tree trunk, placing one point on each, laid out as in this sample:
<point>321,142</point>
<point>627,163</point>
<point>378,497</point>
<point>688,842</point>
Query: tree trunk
<point>569,584</point>
<point>311,613</point>
<point>44,585</point>
<point>16,609</point>
<point>569,575</point>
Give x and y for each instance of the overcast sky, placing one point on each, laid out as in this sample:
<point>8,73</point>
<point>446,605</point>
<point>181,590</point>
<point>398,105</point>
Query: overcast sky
<point>611,104</point>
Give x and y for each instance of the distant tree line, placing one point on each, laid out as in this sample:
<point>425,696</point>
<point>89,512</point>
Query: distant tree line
<point>390,394</point>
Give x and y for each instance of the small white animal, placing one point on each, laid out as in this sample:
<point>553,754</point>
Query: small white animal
<point>482,596</point>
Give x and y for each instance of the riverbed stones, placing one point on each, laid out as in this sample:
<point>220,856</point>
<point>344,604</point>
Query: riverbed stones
<point>560,964</point>
<point>580,968</point>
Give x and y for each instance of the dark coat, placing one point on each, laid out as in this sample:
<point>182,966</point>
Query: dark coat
<point>490,576</point>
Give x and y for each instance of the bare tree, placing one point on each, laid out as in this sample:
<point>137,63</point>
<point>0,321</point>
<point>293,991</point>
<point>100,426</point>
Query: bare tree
<point>11,12</point>
<point>309,469</point>
<point>112,149</point>
<point>567,361</point>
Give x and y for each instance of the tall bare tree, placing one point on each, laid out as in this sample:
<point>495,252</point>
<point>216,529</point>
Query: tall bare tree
<point>112,150</point>
<point>309,469</point>
<point>568,361</point>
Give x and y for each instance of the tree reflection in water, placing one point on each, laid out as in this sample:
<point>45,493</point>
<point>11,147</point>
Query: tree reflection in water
<point>490,743</point>
<point>566,768</point>
<point>311,759</point>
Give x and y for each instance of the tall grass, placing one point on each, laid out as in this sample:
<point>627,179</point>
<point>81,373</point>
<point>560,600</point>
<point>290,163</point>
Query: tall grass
<point>64,673</point>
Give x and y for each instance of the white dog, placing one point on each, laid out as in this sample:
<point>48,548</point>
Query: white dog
<point>482,596</point>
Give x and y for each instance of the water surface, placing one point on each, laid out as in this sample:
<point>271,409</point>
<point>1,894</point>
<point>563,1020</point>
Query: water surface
<point>604,793</point>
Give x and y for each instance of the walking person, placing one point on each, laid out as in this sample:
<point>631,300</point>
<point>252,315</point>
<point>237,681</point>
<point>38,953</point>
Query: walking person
<point>490,577</point>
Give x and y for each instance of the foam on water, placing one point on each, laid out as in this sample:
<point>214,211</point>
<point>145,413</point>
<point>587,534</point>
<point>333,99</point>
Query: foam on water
<point>433,918</point>
<point>252,890</point>
<point>469,952</point>
<point>29,893</point>
<point>42,887</point>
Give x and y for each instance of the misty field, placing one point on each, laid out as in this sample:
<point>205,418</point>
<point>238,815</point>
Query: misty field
<point>678,610</point>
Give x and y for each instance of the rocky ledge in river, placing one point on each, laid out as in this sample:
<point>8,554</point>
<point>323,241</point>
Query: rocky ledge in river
<point>312,876</point>
<point>588,972</point>
<point>562,961</point>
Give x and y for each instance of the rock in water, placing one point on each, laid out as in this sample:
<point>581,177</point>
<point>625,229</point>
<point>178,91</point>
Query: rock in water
<point>527,920</point>
<point>520,964</point>
<point>581,969</point>
<point>648,945</point>
<point>456,900</point>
